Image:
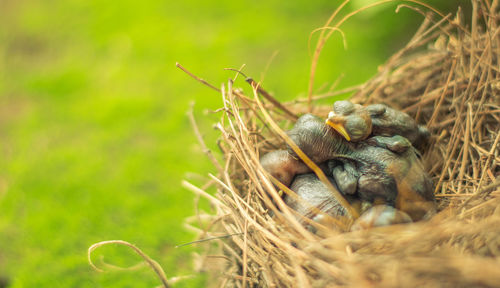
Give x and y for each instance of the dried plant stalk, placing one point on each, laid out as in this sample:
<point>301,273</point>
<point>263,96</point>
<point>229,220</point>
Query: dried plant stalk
<point>448,78</point>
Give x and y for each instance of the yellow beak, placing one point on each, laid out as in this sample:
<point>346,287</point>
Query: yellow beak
<point>339,128</point>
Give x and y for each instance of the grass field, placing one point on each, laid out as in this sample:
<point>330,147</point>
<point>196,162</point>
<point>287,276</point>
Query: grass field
<point>94,141</point>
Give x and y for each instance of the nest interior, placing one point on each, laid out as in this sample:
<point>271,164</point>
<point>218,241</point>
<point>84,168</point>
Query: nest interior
<point>448,78</point>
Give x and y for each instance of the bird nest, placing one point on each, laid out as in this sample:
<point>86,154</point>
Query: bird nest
<point>447,78</point>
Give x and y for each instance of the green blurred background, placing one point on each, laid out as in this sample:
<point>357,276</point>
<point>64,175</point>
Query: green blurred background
<point>94,141</point>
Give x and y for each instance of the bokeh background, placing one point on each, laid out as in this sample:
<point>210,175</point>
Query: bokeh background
<point>94,138</point>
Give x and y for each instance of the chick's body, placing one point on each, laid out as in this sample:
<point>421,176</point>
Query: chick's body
<point>384,176</point>
<point>283,166</point>
<point>314,201</point>
<point>356,123</point>
<point>314,197</point>
<point>388,122</point>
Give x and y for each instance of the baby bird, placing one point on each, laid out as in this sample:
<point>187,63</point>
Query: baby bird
<point>351,120</point>
<point>313,201</point>
<point>283,166</point>
<point>383,177</point>
<point>356,123</point>
<point>380,215</point>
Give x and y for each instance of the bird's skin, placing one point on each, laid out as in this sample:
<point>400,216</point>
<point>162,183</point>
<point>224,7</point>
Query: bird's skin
<point>357,123</point>
<point>395,179</point>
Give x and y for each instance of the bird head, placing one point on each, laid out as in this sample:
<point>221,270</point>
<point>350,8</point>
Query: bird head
<point>352,121</point>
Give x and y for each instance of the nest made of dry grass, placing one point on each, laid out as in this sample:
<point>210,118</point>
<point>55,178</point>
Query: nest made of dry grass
<point>448,78</point>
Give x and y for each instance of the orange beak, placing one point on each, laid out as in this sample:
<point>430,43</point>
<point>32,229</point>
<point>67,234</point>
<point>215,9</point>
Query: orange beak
<point>336,123</point>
